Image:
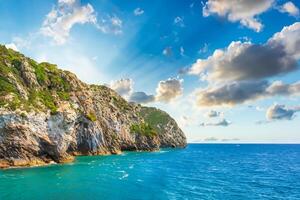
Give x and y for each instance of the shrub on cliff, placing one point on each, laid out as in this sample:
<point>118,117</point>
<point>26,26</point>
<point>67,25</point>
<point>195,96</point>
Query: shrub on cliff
<point>143,129</point>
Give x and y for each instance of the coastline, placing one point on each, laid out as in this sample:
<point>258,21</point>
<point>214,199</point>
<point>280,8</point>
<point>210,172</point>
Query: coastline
<point>4,164</point>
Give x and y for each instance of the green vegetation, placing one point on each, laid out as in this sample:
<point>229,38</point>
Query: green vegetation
<point>48,100</point>
<point>40,74</point>
<point>63,95</point>
<point>52,83</point>
<point>2,102</point>
<point>15,103</point>
<point>23,115</point>
<point>6,87</point>
<point>114,136</point>
<point>91,116</point>
<point>49,75</point>
<point>16,62</point>
<point>143,129</point>
<point>154,116</point>
<point>121,103</point>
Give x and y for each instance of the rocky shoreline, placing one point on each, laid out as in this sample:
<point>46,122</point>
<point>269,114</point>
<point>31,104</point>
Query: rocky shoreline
<point>48,115</point>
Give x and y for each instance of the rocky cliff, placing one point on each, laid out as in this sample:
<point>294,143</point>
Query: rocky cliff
<point>48,115</point>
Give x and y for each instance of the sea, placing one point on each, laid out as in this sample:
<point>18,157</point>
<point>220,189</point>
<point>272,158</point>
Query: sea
<point>199,171</point>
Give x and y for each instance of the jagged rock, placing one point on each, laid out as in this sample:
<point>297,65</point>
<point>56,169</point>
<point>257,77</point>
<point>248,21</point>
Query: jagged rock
<point>48,115</point>
<point>28,75</point>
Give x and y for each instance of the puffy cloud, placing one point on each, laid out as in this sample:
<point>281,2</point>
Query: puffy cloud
<point>290,8</point>
<point>166,91</point>
<point>212,113</point>
<point>238,73</point>
<point>239,92</point>
<point>231,94</point>
<point>141,97</point>
<point>245,61</point>
<point>169,90</point>
<point>179,21</point>
<point>281,112</point>
<point>12,46</point>
<point>123,87</point>
<point>138,11</point>
<point>67,13</point>
<point>223,122</point>
<point>289,39</point>
<point>63,17</point>
<point>279,88</point>
<point>68,2</point>
<point>243,11</point>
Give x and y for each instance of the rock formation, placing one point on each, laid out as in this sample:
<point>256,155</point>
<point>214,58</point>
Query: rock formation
<point>48,115</point>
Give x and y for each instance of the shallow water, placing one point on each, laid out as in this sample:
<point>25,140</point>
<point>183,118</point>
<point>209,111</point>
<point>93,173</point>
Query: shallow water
<point>201,171</point>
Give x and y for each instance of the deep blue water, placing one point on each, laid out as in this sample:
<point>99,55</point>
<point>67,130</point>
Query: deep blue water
<point>203,171</point>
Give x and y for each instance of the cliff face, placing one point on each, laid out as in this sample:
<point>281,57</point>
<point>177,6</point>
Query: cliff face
<point>48,115</point>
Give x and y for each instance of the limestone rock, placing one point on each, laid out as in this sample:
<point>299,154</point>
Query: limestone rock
<point>48,115</point>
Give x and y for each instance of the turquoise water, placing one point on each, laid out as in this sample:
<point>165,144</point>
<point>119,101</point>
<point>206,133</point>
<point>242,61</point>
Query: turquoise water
<point>205,171</point>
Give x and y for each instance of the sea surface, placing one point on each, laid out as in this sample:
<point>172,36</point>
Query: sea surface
<point>200,171</point>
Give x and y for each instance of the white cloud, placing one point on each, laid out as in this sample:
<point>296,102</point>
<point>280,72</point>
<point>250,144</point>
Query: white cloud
<point>62,18</point>
<point>279,88</point>
<point>138,11</point>
<point>68,2</point>
<point>243,11</point>
<point>244,61</point>
<point>166,91</point>
<point>67,13</point>
<point>289,39</point>
<point>281,112</point>
<point>239,92</point>
<point>222,122</point>
<point>123,87</point>
<point>247,61</point>
<point>290,8</point>
<point>212,113</point>
<point>169,90</point>
<point>231,94</point>
<point>238,73</point>
<point>12,46</point>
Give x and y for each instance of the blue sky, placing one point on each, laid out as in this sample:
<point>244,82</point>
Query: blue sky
<point>227,71</point>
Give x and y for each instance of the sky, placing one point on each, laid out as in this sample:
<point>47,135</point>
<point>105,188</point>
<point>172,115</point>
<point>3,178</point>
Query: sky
<point>227,71</point>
